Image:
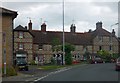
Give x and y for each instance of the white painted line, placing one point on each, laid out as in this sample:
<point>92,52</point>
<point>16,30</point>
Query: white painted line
<point>41,78</point>
<point>61,70</point>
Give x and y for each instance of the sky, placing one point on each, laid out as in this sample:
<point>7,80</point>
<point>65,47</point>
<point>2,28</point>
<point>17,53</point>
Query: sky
<point>83,13</point>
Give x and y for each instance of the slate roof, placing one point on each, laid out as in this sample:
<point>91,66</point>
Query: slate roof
<point>73,38</point>
<point>5,11</point>
<point>21,28</point>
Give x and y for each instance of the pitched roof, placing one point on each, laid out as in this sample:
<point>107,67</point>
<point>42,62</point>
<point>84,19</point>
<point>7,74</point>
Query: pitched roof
<point>73,38</point>
<point>101,32</point>
<point>21,28</point>
<point>5,11</point>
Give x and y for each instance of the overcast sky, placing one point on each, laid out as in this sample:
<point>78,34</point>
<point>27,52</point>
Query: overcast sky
<point>84,13</point>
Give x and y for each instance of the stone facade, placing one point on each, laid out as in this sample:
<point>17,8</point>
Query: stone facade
<point>91,41</point>
<point>40,45</point>
<point>43,54</point>
<point>23,37</point>
<point>106,44</point>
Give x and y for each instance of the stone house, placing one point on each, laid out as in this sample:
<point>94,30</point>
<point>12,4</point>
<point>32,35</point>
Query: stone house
<point>91,41</point>
<point>23,42</point>
<point>6,35</point>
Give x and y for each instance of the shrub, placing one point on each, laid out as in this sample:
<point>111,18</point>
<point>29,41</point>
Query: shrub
<point>10,71</point>
<point>68,59</point>
<point>32,62</point>
<point>53,62</point>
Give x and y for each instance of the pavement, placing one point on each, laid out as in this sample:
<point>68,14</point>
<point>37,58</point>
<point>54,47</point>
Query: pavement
<point>33,74</point>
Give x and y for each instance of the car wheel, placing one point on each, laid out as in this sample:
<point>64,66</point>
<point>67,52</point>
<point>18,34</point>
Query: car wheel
<point>26,68</point>
<point>95,62</point>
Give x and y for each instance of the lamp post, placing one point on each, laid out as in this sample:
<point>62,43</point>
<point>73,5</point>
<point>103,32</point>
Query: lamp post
<point>111,33</point>
<point>63,37</point>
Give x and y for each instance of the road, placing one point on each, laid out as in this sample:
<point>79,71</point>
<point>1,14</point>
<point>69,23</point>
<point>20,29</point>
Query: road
<point>90,72</point>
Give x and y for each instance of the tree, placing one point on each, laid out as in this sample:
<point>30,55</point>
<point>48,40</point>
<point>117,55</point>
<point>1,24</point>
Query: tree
<point>104,55</point>
<point>68,55</point>
<point>55,48</point>
<point>56,44</point>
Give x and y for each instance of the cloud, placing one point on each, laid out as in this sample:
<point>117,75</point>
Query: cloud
<point>85,13</point>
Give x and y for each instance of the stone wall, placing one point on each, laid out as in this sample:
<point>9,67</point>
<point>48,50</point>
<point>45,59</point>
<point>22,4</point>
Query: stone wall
<point>106,43</point>
<point>27,42</point>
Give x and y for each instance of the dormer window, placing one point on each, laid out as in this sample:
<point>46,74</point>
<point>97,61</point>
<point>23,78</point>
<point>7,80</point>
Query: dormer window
<point>20,34</point>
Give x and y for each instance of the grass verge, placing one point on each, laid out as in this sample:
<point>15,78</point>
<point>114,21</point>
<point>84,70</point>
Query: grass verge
<point>51,67</point>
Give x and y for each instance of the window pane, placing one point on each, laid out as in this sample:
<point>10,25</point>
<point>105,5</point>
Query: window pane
<point>110,47</point>
<point>20,34</point>
<point>100,47</point>
<point>20,46</point>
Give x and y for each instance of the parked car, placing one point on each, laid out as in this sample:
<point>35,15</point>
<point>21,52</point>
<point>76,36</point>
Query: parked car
<point>22,64</point>
<point>117,64</point>
<point>97,60</point>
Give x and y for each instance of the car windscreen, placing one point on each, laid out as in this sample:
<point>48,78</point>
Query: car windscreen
<point>21,60</point>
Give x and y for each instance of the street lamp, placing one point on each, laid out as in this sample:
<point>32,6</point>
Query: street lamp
<point>111,34</point>
<point>63,37</point>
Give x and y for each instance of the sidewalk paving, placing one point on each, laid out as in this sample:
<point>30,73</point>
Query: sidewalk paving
<point>31,75</point>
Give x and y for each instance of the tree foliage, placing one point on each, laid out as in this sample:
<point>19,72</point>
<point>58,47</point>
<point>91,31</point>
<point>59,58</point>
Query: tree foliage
<point>103,54</point>
<point>68,55</point>
<point>56,44</point>
<point>69,48</point>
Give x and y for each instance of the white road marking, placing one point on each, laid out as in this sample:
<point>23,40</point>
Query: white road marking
<point>61,70</point>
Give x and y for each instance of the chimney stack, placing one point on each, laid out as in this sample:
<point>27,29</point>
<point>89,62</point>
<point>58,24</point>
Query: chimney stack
<point>113,32</point>
<point>30,25</point>
<point>73,28</point>
<point>26,27</point>
<point>43,27</point>
<point>98,25</point>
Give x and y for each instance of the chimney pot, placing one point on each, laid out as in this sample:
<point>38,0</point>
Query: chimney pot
<point>26,27</point>
<point>73,28</point>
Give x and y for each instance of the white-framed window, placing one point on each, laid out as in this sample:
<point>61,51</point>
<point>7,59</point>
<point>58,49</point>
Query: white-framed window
<point>20,46</point>
<point>20,34</point>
